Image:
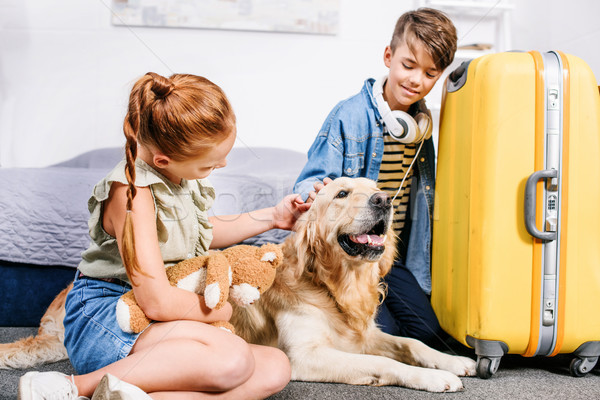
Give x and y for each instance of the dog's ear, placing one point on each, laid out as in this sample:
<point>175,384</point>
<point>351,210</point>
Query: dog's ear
<point>305,243</point>
<point>390,254</point>
<point>384,267</point>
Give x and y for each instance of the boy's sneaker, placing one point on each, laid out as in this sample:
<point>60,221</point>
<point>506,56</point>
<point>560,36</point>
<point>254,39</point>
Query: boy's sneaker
<point>47,385</point>
<point>112,388</point>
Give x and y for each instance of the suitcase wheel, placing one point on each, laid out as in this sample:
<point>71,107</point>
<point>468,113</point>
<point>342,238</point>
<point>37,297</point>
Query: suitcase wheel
<point>487,366</point>
<point>580,366</point>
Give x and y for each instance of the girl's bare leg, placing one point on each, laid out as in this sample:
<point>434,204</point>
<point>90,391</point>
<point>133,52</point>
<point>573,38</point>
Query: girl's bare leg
<point>271,375</point>
<point>195,357</point>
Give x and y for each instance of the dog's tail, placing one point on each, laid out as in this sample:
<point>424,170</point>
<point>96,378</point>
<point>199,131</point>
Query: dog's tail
<point>47,346</point>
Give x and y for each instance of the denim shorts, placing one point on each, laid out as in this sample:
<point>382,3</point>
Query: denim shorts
<point>93,337</point>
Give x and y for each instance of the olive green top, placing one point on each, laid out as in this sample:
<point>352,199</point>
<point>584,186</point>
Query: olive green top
<point>181,220</point>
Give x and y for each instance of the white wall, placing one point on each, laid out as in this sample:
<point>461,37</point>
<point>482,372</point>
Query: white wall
<point>66,72</point>
<point>568,26</point>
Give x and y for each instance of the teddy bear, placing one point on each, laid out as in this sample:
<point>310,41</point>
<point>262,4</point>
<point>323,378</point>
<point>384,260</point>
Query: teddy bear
<point>240,273</point>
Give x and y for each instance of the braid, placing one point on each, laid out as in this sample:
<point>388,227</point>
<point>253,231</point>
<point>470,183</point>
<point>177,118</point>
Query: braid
<point>131,128</point>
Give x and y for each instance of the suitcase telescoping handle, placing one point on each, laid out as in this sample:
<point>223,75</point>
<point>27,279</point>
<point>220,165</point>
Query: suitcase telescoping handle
<point>530,203</point>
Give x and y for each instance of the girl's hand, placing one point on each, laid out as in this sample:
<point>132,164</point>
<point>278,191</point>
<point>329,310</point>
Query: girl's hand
<point>292,206</point>
<point>232,229</point>
<point>288,210</point>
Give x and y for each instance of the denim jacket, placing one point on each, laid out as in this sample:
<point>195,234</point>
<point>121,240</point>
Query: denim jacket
<point>350,143</point>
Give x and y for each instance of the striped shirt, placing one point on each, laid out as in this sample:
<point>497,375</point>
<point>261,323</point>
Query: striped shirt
<point>396,160</point>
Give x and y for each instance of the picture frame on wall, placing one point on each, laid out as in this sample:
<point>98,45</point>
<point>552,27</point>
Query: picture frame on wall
<point>301,16</point>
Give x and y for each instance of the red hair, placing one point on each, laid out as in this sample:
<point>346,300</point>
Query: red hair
<point>180,116</point>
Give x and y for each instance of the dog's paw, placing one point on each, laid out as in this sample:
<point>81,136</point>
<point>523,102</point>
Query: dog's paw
<point>435,380</point>
<point>458,365</point>
<point>468,366</point>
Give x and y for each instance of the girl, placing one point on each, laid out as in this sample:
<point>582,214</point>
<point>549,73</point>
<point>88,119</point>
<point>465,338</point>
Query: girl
<point>149,212</point>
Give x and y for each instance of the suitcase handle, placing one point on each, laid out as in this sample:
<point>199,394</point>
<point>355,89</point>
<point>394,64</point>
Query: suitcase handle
<point>458,77</point>
<point>530,203</point>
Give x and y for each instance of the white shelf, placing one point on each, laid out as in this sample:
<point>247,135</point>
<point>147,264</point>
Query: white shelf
<point>474,6</point>
<point>498,11</point>
<point>470,54</point>
<point>494,11</point>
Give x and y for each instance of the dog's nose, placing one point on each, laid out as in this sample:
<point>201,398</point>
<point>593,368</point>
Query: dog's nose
<point>381,200</point>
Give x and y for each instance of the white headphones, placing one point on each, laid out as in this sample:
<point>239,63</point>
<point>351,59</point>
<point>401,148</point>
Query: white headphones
<point>400,124</point>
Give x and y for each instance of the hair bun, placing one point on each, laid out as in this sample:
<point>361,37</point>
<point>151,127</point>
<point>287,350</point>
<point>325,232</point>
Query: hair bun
<point>161,86</point>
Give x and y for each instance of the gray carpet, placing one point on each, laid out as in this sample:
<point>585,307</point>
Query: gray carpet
<point>517,378</point>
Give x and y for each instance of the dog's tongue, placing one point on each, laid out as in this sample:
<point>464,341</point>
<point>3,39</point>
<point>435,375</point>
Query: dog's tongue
<point>375,240</point>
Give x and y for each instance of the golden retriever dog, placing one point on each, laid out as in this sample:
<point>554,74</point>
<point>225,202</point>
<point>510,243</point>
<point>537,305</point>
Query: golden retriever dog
<point>321,308</point>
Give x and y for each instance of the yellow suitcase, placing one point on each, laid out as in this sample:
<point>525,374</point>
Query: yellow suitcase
<point>516,233</point>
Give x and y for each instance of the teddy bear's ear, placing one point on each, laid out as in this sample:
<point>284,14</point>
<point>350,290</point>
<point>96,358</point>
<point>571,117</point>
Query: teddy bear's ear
<point>271,253</point>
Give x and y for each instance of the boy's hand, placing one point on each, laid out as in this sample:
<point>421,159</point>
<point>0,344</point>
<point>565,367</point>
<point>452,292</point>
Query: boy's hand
<point>318,186</point>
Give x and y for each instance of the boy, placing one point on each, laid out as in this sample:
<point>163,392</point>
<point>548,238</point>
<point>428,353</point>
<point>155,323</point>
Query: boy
<point>358,139</point>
